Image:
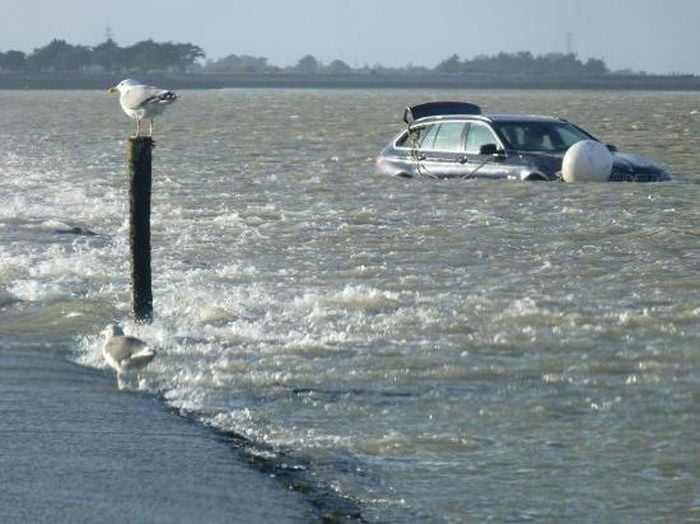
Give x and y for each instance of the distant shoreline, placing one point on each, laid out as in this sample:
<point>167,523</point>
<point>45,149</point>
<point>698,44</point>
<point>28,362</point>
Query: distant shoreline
<point>45,81</point>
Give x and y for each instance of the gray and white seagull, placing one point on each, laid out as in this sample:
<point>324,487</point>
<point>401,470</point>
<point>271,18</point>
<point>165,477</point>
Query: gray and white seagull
<point>125,353</point>
<point>141,102</point>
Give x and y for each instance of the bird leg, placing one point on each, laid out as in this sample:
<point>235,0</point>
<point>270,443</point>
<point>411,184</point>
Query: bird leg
<point>120,382</point>
<point>150,128</point>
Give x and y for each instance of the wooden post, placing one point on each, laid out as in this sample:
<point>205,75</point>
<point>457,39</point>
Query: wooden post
<point>140,181</point>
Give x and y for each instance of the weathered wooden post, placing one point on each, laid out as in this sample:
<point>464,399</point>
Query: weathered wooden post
<point>140,181</point>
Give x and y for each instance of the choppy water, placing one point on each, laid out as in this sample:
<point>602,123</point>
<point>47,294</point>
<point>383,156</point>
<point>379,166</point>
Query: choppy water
<point>440,351</point>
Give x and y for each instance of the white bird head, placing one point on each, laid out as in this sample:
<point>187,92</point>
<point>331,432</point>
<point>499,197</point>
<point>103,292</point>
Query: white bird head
<point>124,84</point>
<point>112,330</point>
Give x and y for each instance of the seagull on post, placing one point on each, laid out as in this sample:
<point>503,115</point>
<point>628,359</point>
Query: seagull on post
<point>141,102</point>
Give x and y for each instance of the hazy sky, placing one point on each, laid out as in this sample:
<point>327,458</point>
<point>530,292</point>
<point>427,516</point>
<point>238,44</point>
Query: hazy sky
<point>658,36</point>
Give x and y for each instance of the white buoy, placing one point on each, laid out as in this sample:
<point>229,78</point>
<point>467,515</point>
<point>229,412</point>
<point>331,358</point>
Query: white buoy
<point>587,161</point>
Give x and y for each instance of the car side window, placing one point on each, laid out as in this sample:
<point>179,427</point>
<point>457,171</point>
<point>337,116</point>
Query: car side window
<point>449,137</point>
<point>427,138</point>
<point>479,135</point>
<point>533,137</point>
<point>536,138</point>
<point>414,137</point>
<point>446,136</point>
<point>404,140</point>
<point>568,136</point>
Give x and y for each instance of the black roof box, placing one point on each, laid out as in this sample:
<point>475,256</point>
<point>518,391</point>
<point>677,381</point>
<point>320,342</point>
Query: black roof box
<point>418,111</point>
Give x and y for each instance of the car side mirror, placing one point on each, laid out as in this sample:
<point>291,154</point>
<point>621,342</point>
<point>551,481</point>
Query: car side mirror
<point>611,148</point>
<point>490,150</point>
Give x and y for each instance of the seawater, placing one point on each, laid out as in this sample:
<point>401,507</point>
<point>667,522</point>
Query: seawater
<point>438,351</point>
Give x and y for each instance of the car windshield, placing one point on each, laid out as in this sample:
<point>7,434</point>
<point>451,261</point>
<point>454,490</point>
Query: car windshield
<point>540,136</point>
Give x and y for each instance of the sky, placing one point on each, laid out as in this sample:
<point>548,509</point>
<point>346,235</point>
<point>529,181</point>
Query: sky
<point>654,36</point>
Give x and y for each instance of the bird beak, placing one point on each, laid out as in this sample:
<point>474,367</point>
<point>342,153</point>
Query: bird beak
<point>112,90</point>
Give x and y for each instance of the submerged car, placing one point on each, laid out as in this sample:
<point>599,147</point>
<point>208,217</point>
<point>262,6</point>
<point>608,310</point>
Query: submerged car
<point>455,140</point>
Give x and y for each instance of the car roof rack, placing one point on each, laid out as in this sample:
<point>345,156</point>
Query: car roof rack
<point>416,112</point>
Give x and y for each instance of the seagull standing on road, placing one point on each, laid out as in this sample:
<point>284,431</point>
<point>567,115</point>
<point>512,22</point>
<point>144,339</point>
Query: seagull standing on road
<point>140,101</point>
<point>124,353</point>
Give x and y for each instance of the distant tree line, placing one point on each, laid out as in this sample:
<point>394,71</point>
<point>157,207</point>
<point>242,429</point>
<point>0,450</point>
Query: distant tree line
<point>148,56</point>
<point>307,65</point>
<point>522,63</point>
<point>61,57</point>
<point>525,63</point>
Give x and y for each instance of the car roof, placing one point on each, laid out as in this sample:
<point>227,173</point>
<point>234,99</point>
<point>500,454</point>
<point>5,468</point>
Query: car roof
<point>491,117</point>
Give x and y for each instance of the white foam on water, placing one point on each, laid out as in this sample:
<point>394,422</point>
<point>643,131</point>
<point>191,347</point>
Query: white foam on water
<point>425,330</point>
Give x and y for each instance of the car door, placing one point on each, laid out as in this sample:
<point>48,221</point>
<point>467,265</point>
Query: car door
<point>483,154</point>
<point>441,150</point>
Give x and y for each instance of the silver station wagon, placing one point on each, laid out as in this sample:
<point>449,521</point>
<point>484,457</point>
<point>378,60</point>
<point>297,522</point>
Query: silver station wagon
<point>455,140</point>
